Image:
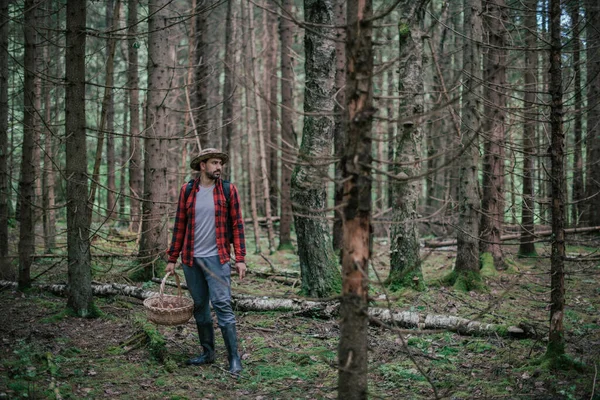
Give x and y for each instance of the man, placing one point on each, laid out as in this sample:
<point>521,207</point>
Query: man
<point>200,234</point>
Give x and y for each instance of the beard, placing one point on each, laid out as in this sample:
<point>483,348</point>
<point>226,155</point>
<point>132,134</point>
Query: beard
<point>213,175</point>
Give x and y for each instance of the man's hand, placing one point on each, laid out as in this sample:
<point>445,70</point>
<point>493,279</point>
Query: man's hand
<point>240,267</point>
<point>170,268</point>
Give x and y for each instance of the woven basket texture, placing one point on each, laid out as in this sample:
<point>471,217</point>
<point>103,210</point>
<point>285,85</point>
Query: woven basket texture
<point>166,309</point>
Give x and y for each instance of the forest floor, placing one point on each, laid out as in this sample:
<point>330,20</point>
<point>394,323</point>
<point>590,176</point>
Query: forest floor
<point>44,353</point>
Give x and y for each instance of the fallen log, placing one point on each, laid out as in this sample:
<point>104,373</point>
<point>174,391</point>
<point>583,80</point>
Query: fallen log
<point>318,309</point>
<point>452,242</point>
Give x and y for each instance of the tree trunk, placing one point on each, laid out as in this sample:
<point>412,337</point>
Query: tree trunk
<point>264,172</point>
<point>356,164</point>
<point>391,126</point>
<point>339,131</point>
<point>467,254</point>
<point>274,135</point>
<point>6,271</point>
<point>29,165</point>
<point>205,75</point>
<point>227,122</point>
<point>135,156</point>
<point>320,277</point>
<point>122,159</point>
<point>578,188</point>
<point>593,112</point>
<point>48,174</point>
<point>527,245</point>
<point>556,340</point>
<point>154,206</point>
<point>288,135</point>
<point>455,65</point>
<point>437,124</point>
<point>494,127</point>
<point>105,116</point>
<point>250,153</point>
<point>112,21</point>
<point>78,218</point>
<point>405,261</point>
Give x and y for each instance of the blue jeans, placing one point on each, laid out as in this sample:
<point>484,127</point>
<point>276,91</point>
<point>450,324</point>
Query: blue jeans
<point>206,280</point>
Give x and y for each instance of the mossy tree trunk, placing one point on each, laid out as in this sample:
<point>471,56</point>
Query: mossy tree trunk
<point>494,127</point>
<point>467,256</point>
<point>80,298</point>
<point>320,276</point>
<point>356,163</point>
<point>556,340</point>
<point>405,260</point>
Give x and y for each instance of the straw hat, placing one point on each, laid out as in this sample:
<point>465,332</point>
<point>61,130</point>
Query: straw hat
<point>205,155</point>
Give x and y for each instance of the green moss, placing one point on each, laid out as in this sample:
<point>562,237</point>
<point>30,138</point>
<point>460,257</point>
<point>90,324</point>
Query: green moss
<point>55,318</point>
<point>394,372</point>
<point>93,312</point>
<point>403,30</point>
<point>285,247</point>
<point>155,341</point>
<point>555,361</point>
<point>399,280</point>
<point>488,268</point>
<point>502,331</point>
<point>464,282</point>
<point>527,255</point>
<point>142,274</point>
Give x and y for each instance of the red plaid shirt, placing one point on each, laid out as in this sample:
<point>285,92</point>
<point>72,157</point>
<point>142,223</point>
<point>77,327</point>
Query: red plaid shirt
<point>185,217</point>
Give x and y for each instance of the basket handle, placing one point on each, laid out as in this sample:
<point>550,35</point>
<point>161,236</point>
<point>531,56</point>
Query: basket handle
<point>164,281</point>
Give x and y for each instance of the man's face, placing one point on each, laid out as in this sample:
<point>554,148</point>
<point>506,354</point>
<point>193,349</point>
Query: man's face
<point>212,167</point>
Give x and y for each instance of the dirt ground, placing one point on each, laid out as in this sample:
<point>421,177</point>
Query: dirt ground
<point>46,354</point>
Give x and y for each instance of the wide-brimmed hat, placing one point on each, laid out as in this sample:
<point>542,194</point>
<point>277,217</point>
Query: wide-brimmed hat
<point>205,155</point>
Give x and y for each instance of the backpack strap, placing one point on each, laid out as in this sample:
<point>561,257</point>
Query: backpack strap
<point>227,190</point>
<point>188,189</point>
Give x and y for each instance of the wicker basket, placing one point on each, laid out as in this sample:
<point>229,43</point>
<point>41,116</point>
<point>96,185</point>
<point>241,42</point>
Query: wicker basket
<point>166,309</point>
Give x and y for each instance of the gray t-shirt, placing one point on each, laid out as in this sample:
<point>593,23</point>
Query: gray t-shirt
<point>205,234</point>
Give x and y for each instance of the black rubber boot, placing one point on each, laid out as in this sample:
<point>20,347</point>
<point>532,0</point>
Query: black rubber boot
<point>206,333</point>
<point>230,339</point>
